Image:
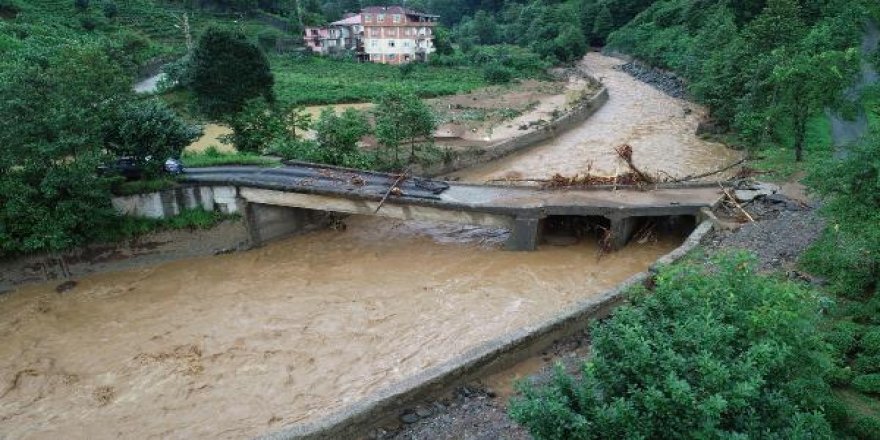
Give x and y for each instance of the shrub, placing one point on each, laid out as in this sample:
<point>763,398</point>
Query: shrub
<point>212,158</point>
<point>865,427</point>
<point>867,383</point>
<point>255,127</point>
<point>297,149</point>
<point>81,5</point>
<point>88,22</point>
<point>497,74</point>
<point>110,10</point>
<point>843,337</point>
<point>338,135</point>
<point>716,351</point>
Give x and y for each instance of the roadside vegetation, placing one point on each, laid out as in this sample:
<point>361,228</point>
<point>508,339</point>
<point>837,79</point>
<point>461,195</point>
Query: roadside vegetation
<point>713,350</point>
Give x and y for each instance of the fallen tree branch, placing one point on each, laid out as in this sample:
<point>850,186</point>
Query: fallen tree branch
<point>735,203</point>
<point>700,176</point>
<point>400,178</point>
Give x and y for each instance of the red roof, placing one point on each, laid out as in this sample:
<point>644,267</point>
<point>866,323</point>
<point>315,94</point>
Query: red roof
<point>393,10</point>
<point>354,19</point>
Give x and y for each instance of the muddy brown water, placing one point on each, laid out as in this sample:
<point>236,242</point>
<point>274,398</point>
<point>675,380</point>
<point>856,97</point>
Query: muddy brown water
<point>236,345</point>
<point>659,128</point>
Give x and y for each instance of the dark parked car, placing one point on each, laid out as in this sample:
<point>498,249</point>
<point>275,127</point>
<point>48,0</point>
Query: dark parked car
<point>129,168</point>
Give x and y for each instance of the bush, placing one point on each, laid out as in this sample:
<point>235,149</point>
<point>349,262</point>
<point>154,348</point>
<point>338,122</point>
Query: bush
<point>865,427</point>
<point>211,157</point>
<point>297,149</point>
<point>497,74</point>
<point>338,135</point>
<point>81,5</point>
<point>716,351</point>
<point>255,127</point>
<point>88,23</point>
<point>110,10</point>
<point>867,383</point>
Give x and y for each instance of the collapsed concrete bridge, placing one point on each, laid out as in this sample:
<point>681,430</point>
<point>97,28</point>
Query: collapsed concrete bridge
<point>279,201</point>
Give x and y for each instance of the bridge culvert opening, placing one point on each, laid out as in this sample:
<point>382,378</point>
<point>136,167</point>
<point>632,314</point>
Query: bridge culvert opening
<point>652,229</point>
<point>566,230</point>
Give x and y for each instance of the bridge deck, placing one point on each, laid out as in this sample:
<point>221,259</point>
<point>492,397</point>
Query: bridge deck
<point>515,201</point>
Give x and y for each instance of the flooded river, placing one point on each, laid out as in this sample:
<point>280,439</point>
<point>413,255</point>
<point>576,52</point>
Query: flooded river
<point>236,345</point>
<point>659,128</point>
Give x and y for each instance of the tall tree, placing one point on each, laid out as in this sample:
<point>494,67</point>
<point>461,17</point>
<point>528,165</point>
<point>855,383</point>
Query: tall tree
<point>402,117</point>
<point>228,70</point>
<point>805,84</point>
<point>54,103</point>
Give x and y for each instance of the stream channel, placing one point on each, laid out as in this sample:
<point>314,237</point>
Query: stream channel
<point>236,345</point>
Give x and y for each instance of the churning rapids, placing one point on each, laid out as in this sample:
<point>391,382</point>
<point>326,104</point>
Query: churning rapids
<point>236,345</point>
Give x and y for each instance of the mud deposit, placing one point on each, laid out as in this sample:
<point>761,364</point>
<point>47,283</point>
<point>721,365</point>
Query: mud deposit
<point>236,345</point>
<point>661,130</point>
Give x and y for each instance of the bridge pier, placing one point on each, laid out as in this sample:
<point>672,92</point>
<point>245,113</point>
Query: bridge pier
<point>622,229</point>
<point>268,222</point>
<point>524,234</point>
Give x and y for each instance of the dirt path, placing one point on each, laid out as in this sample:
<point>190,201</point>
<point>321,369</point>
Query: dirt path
<point>661,130</point>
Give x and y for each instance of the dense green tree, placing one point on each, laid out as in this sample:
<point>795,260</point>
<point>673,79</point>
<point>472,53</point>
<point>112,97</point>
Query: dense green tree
<point>149,132</point>
<point>338,135</point>
<point>442,41</point>
<point>603,23</point>
<point>227,71</point>
<point>807,84</point>
<point>55,102</point>
<point>256,126</point>
<point>715,351</point>
<point>402,117</point>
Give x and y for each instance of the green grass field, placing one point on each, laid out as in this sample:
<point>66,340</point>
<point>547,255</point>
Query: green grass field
<point>313,80</point>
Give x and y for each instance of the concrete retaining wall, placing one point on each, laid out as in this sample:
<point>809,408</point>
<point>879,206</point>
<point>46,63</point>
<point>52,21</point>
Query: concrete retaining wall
<point>170,202</point>
<point>576,115</point>
<point>385,407</point>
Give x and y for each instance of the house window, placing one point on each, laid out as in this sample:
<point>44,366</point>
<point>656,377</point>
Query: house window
<point>376,32</point>
<point>390,44</point>
<point>406,43</point>
<point>380,18</point>
<point>396,18</point>
<point>368,18</point>
<point>392,57</point>
<point>374,43</point>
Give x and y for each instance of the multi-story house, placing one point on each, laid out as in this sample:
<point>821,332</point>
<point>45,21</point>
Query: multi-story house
<point>380,34</point>
<point>397,35</point>
<point>314,38</point>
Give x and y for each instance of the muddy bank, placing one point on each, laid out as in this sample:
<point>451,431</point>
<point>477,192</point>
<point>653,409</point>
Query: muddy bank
<point>151,249</point>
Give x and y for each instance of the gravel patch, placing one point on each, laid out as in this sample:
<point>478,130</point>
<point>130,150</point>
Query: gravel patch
<point>472,414</point>
<point>783,232</point>
<point>660,80</point>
